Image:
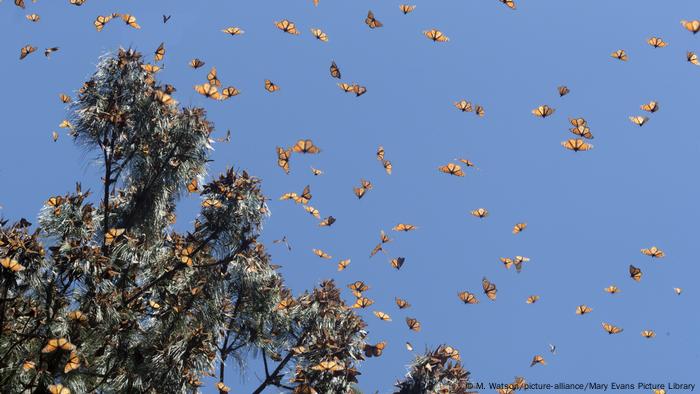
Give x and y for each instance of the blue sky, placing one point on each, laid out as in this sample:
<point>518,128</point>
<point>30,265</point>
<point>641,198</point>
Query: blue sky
<point>588,213</point>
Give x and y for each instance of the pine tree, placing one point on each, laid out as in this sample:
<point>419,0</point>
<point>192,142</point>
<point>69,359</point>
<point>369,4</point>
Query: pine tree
<point>103,295</point>
<point>437,372</point>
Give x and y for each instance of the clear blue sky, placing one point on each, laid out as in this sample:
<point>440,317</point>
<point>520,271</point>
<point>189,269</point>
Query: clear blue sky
<point>588,213</point>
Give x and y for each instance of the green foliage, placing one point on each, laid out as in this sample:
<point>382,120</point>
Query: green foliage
<point>436,372</point>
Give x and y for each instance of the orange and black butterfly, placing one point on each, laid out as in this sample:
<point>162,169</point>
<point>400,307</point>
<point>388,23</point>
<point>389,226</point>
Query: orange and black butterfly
<point>319,35</point>
<point>56,344</point>
<point>11,264</point>
<point>452,169</point>
<point>563,91</point>
<point>305,146</point>
<point>270,86</point>
<point>413,324</point>
<point>507,262</point>
<point>358,286</point>
<point>638,120</point>
<point>330,366</point>
<point>436,35</point>
<point>479,111</point>
<point>468,298</point>
<point>532,299</point>
<point>582,131</point>
<point>648,334</point>
<point>612,289</point>
<point>196,63</point>
<point>287,27</point>
<point>347,88</point>
<point>358,90</point>
<point>58,388</point>
<point>693,58</point>
<point>73,362</point>
<point>576,145</point>
<point>371,21</point>
<point>398,262</point>
<point>404,227</point>
<point>150,68</point>
<point>374,351</point>
<point>463,105</point>
<point>64,98</point>
<point>25,51</point>
<point>320,253</point>
<point>480,213</point>
<point>519,227</point>
<point>489,289</point>
<point>283,157</point>
<point>130,20</point>
<point>654,252</point>
<point>405,8</point>
<point>101,21</point>
<point>212,78</point>
<point>401,303</point>
<point>387,166</point>
<point>583,309</point>
<point>509,3</point>
<point>165,98</point>
<point>305,196</point>
<point>362,302</point>
<point>234,31</point>
<point>657,42</point>
<point>33,18</point>
<point>327,221</point>
<point>342,264</point>
<point>208,90</point>
<point>543,111</point>
<point>335,70</point>
<point>313,211</point>
<point>537,360</point>
<point>160,52</point>
<point>692,26</point>
<point>112,234</point>
<point>611,329</point>
<point>19,3</point>
<point>635,273</point>
<point>382,316</point>
<point>229,92</point>
<point>677,290</point>
<point>620,54</point>
<point>651,106</point>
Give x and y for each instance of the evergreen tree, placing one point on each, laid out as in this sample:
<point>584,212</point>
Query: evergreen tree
<point>436,372</point>
<point>105,296</point>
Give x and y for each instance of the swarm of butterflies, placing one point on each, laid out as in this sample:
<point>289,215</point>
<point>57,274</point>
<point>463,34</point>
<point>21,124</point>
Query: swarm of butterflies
<point>214,89</point>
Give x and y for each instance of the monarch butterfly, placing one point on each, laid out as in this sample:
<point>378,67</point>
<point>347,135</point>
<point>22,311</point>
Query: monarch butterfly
<point>332,366</point>
<point>538,360</point>
<point>563,91</point>
<point>387,166</point>
<point>12,264</point>
<point>313,211</point>
<point>131,21</point>
<point>358,286</point>
<point>398,262</point>
<point>327,221</point>
<point>582,131</point>
<point>620,54</point>
<point>287,27</point>
<point>169,89</point>
<point>489,289</point>
<point>33,17</point>
<point>449,351</point>
<point>612,289</point>
<point>101,21</point>
<point>463,105</point>
<point>64,98</point>
<point>583,309</point>
<point>479,111</point>
<point>58,389</point>
<point>374,351</point>
<point>519,227</point>
<point>404,227</point>
<point>185,255</point>
<point>25,51</point>
<point>635,273</point>
<point>320,253</point>
<point>657,42</point>
<point>507,262</point>
<point>270,86</point>
<point>196,63</point>
<point>154,304</point>
<point>611,329</point>
<point>77,3</point>
<point>413,324</point>
<point>319,35</point>
<point>160,52</point>
<point>234,31</point>
<point>638,120</point>
<point>678,290</point>
<point>222,387</point>
<point>509,3</point>
<point>208,90</point>
<point>382,316</point>
<point>212,78</point>
<point>229,92</point>
<point>467,297</point>
<point>543,111</point>
<point>19,3</point>
<point>692,26</point>
<point>77,316</point>
<point>401,303</point>
<point>150,68</point>
<point>436,35</point>
<point>532,299</point>
<point>362,302</point>
<point>654,252</point>
<point>286,303</point>
<point>58,343</point>
<point>480,213</point>
<point>342,264</point>
<point>651,106</point>
<point>451,169</point>
<point>335,70</point>
<point>112,234</point>
<point>165,98</point>
<point>28,365</point>
<point>305,146</point>
<point>305,196</point>
<point>211,203</point>
<point>518,262</point>
<point>55,202</point>
<point>371,21</point>
<point>577,122</point>
<point>405,8</point>
<point>648,334</point>
<point>576,145</point>
<point>359,90</point>
<point>73,362</point>
<point>693,58</point>
<point>383,237</point>
<point>316,172</point>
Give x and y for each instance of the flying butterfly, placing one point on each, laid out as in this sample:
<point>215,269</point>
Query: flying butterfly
<point>320,253</point>
<point>49,51</point>
<point>405,8</point>
<point>358,90</point>
<point>480,213</point>
<point>543,111</point>
<point>638,120</point>
<point>653,252</point>
<point>335,71</point>
<point>382,316</point>
<point>343,264</point>
<point>509,3</point>
<point>467,297</point>
<point>692,26</point>
<point>563,91</point>
<point>358,286</point>
<point>374,350</point>
<point>489,289</point>
<point>451,169</point>
<point>532,299</point>
<point>19,3</point>
<point>611,329</point>
<point>229,92</point>
<point>677,290</point>
<point>507,262</point>
<point>576,145</point>
<point>362,302</point>
<point>316,171</point>
<point>222,387</point>
<point>635,273</point>
<point>612,289</point>
<point>537,360</point>
<point>620,54</point>
<point>101,21</point>
<point>436,35</point>
<point>582,131</point>
<point>401,303</point>
<point>196,63</point>
<point>693,58</point>
<point>398,262</point>
<point>651,106</point>
<point>166,18</point>
<point>347,88</point>
<point>212,78</point>
<point>287,27</point>
<point>305,146</point>
<point>463,105</point>
<point>479,111</point>
<point>150,68</point>
<point>11,264</point>
<point>312,211</point>
<point>208,90</point>
<point>283,157</point>
<point>165,98</point>
<point>657,42</point>
<point>234,31</point>
<point>413,324</point>
<point>270,86</point>
<point>33,18</point>
<point>648,334</point>
<point>404,227</point>
<point>319,35</point>
<point>160,52</point>
<point>519,227</point>
<point>371,21</point>
<point>130,20</point>
<point>387,166</point>
<point>583,309</point>
<point>327,221</point>
<point>25,51</point>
